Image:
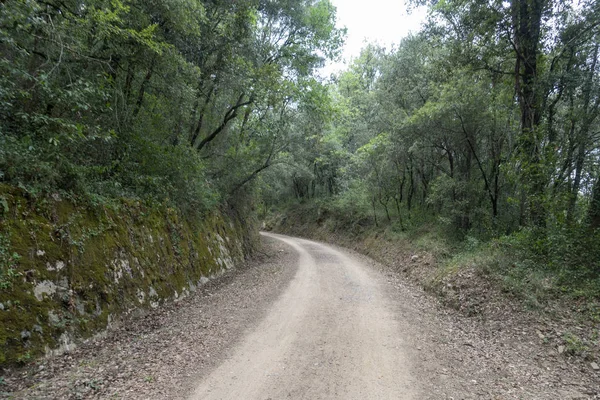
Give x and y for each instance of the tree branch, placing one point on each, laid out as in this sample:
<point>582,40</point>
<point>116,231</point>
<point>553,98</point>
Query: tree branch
<point>229,115</point>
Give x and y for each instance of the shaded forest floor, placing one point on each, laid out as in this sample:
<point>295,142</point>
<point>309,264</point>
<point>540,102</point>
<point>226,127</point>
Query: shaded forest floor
<point>481,284</point>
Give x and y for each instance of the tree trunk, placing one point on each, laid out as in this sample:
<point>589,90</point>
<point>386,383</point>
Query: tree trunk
<point>142,91</point>
<point>583,134</point>
<point>387,211</point>
<point>576,182</point>
<point>526,20</point>
<point>594,210</point>
<point>411,189</point>
<point>374,210</point>
<point>398,202</point>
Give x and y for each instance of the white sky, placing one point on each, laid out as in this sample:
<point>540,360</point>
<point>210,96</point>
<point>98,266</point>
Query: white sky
<point>381,21</point>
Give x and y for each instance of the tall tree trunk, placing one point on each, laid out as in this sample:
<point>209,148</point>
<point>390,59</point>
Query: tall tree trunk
<point>385,207</point>
<point>143,86</point>
<point>197,128</point>
<point>374,210</point>
<point>527,22</point>
<point>411,189</point>
<point>398,202</point>
<point>576,182</point>
<point>591,112</point>
<point>594,210</point>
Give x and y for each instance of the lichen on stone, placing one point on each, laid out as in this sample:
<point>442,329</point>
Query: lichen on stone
<point>81,267</point>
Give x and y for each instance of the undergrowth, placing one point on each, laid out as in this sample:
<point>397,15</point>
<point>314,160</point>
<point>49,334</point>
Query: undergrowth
<point>537,267</point>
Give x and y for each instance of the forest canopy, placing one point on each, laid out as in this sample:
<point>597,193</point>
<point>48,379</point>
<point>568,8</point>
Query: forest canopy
<point>486,123</point>
<point>155,100</point>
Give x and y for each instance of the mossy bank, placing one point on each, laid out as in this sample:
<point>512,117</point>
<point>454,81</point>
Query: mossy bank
<point>67,271</point>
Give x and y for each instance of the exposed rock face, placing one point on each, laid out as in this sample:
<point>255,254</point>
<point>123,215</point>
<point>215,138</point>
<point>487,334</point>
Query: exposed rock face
<point>68,271</point>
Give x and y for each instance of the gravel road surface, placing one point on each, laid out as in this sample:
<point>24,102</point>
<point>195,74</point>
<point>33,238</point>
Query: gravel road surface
<point>331,335</point>
<point>305,320</point>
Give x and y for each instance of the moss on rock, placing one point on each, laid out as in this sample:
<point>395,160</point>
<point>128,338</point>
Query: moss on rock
<point>65,268</point>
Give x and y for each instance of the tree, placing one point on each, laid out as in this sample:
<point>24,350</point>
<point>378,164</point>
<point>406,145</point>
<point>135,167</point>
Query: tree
<point>153,98</point>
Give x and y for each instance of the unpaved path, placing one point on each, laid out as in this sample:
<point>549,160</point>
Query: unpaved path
<point>331,335</point>
<point>308,321</point>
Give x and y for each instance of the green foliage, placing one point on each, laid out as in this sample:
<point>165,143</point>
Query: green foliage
<point>154,100</point>
<point>523,265</point>
<point>571,259</point>
<point>8,264</point>
<point>574,344</point>
<point>438,129</point>
<point>24,358</point>
<point>354,202</point>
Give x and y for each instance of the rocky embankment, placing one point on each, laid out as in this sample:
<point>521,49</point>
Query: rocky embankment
<point>68,271</point>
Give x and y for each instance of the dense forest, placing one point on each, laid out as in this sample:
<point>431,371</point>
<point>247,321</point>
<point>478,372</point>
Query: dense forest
<point>179,101</point>
<point>486,122</point>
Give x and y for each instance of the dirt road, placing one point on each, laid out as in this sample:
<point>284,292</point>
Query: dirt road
<point>331,335</point>
<point>305,320</point>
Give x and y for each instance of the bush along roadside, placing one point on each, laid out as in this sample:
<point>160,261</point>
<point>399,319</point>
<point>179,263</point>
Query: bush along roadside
<point>497,280</point>
<point>69,270</point>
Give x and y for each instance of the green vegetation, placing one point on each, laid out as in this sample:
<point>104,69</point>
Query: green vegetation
<point>484,127</point>
<point>131,132</point>
<point>153,100</point>
<point>8,263</point>
<point>82,267</point>
<point>476,140</point>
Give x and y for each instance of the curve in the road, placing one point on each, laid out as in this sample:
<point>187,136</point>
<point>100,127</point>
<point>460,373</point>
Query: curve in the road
<point>331,335</point>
